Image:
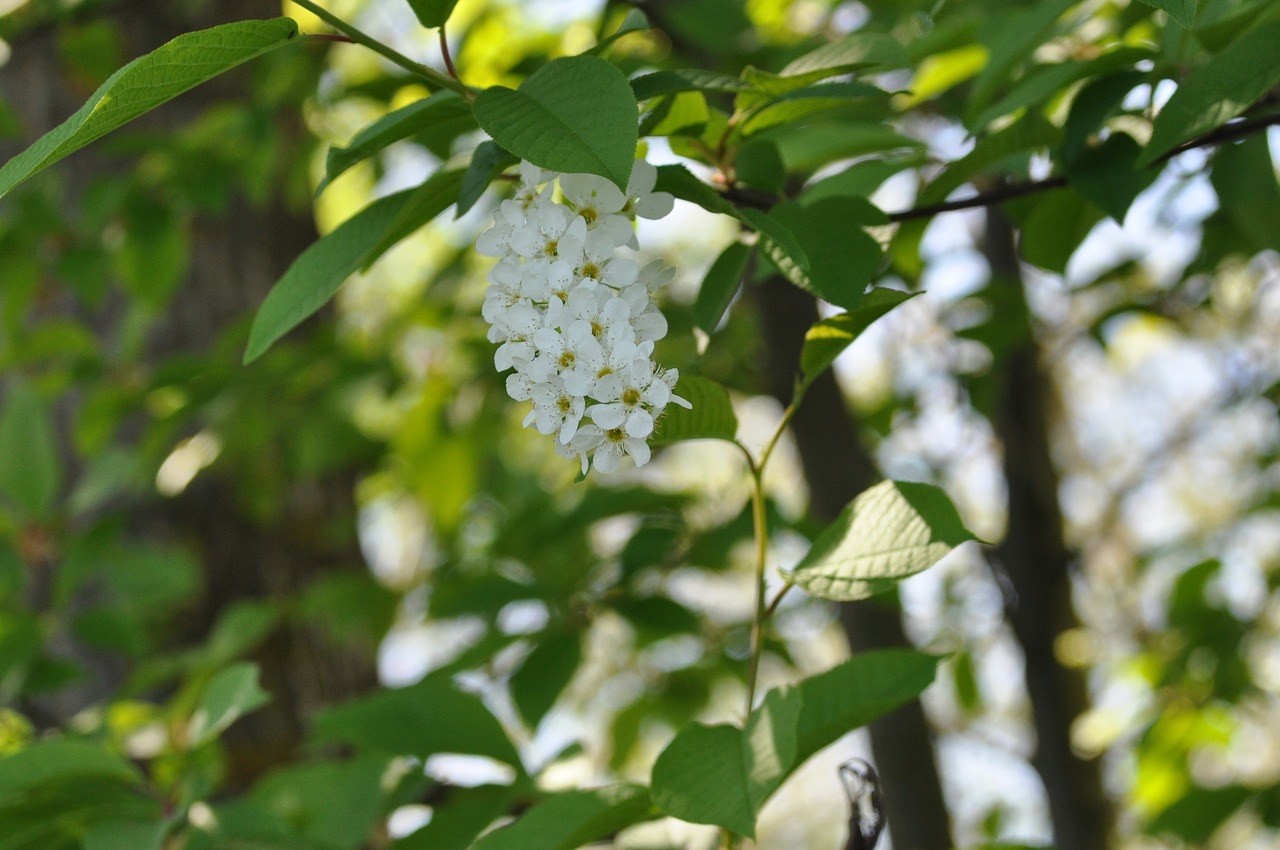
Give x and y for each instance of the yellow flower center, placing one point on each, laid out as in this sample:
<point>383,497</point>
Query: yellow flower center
<point>589,214</point>
<point>631,397</point>
<point>566,360</point>
<point>615,435</point>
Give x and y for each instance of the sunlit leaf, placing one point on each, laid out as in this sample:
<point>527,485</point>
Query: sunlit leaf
<point>634,21</point>
<point>711,418</point>
<point>432,13</point>
<point>825,341</point>
<point>576,114</point>
<point>147,82</point>
<point>683,79</point>
<point>893,530</point>
<point>230,694</point>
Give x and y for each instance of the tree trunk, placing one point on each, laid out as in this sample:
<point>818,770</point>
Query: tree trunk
<point>1035,558</point>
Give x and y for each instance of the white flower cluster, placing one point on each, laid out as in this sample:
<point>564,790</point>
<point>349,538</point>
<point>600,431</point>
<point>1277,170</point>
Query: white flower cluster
<point>576,320</point>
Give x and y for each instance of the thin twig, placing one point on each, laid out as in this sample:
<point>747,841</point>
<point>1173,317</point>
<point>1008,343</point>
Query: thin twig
<point>448,59</point>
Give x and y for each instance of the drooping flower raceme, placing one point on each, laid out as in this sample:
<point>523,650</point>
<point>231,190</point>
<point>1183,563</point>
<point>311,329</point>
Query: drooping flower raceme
<point>575,317</point>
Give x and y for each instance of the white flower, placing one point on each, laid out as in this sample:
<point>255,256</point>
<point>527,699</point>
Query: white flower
<point>576,321</point>
<point>641,199</point>
<point>629,399</point>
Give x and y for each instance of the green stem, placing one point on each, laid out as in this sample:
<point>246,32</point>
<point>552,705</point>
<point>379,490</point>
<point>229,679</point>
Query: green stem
<point>430,75</point>
<point>760,523</point>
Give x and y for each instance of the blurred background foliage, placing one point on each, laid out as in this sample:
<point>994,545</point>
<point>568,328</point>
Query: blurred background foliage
<point>339,599</point>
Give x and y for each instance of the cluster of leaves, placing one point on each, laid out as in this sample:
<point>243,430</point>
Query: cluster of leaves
<point>794,154</point>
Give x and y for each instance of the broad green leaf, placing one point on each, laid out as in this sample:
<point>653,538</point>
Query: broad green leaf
<point>432,13</point>
<point>1092,105</point>
<point>424,203</point>
<point>332,804</point>
<point>147,82</point>
<point>430,717</point>
<point>724,775</point>
<point>944,71</point>
<point>712,416</point>
<point>720,285</point>
<point>1196,815</point>
<point>701,777</point>
<point>487,162</point>
<point>1058,224</point>
<point>683,79</point>
<point>570,819</point>
<point>859,50</point>
<point>1106,174</point>
<point>316,274</point>
<point>1181,11</point>
<point>759,164</point>
<point>30,471</point>
<point>681,114</point>
<point>59,759</point>
<point>538,683</point>
<point>230,694</point>
<point>125,835</point>
<point>1222,89</point>
<point>842,257</point>
<point>889,532</point>
<point>807,148</point>
<point>1030,133</point>
<point>576,114</point>
<point>634,21</point>
<point>392,127</point>
<point>855,101</point>
<point>824,342</point>
<point>1244,178</point>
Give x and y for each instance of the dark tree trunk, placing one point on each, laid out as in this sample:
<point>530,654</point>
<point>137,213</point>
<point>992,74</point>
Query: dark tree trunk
<point>1037,563</point>
<point>837,467</point>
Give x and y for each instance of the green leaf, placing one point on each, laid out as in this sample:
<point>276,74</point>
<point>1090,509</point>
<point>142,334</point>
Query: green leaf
<point>889,532</point>
<point>455,826</point>
<point>859,50</point>
<point>1196,815</point>
<point>424,203</point>
<point>125,835</point>
<point>683,79</point>
<point>1222,89</point>
<point>147,82</point>
<point>334,805</point>
<point>230,694</point>
<point>759,164</point>
<point>1058,224</point>
<point>568,820</point>
<point>430,717</point>
<point>842,257</point>
<point>809,147</point>
<point>858,180</point>
<point>720,285</point>
<point>1183,12</point>
<point>723,775</point>
<point>701,777</point>
<point>432,13</point>
<point>30,470</point>
<point>576,114</point>
<point>855,101</point>
<point>1245,180</point>
<point>634,21</point>
<point>316,274</point>
<point>1106,174</point>
<point>712,416</point>
<point>551,665</point>
<point>487,162</point>
<point>59,759</point>
<point>392,127</point>
<point>682,114</point>
<point>824,342</point>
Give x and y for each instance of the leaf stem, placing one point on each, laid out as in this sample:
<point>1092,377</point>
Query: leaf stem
<point>430,75</point>
<point>448,59</point>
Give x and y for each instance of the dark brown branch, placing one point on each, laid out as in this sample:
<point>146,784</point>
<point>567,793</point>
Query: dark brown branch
<point>757,199</point>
